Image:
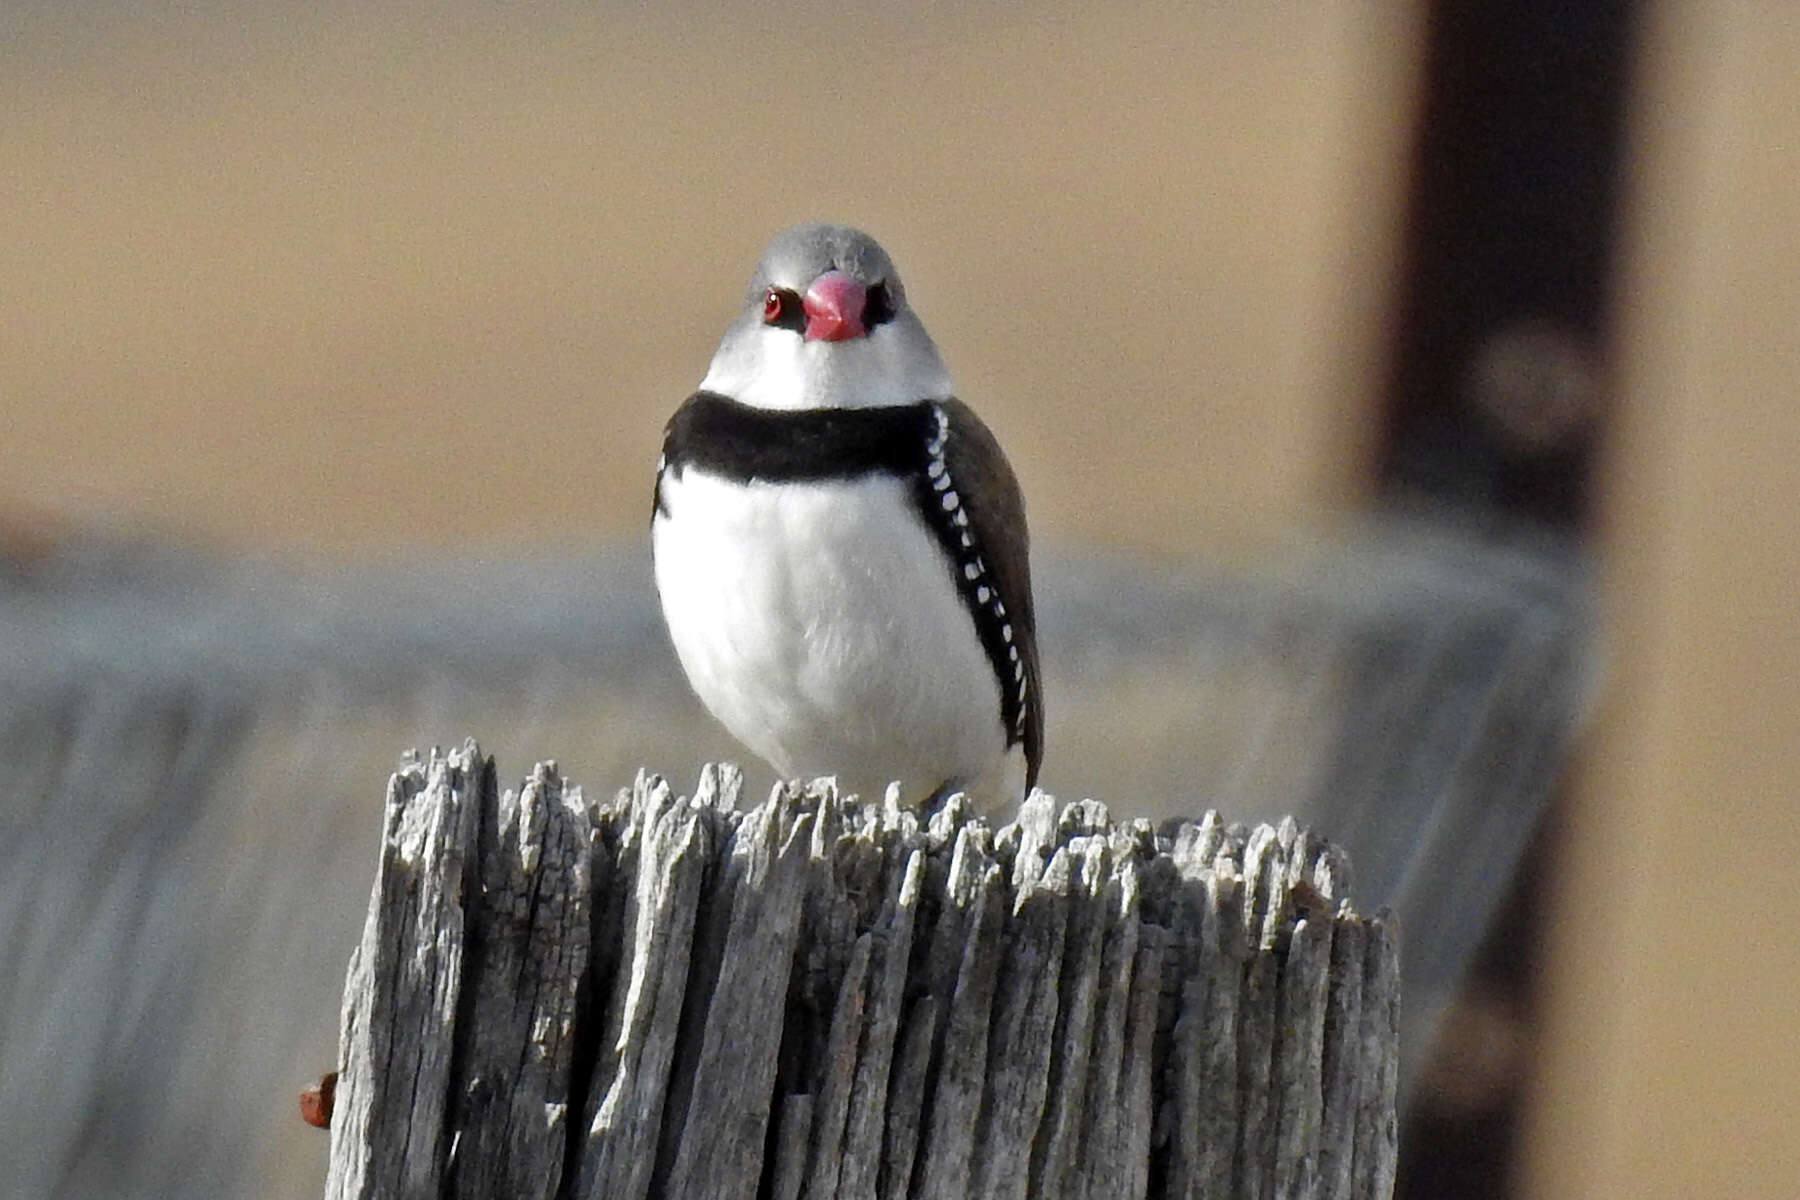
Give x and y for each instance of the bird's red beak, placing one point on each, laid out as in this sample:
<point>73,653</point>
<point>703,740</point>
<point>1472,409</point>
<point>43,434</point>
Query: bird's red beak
<point>834,308</point>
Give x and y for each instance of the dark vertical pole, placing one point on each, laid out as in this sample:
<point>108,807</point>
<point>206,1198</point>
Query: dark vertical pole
<point>1494,411</point>
<point>1496,397</point>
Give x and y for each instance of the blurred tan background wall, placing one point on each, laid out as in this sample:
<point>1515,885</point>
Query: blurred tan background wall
<point>1671,1064</point>
<point>267,272</point>
<point>349,279</point>
<point>354,280</point>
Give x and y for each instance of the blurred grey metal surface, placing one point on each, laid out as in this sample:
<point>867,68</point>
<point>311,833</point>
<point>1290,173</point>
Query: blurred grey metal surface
<point>192,755</point>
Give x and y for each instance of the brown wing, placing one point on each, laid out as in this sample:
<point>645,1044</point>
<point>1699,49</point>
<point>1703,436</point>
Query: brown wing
<point>990,495</point>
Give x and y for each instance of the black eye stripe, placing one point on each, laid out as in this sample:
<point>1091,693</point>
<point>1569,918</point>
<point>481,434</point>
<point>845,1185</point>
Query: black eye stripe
<point>783,310</point>
<point>878,306</point>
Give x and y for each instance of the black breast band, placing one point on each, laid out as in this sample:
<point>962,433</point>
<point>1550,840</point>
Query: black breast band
<point>741,442</point>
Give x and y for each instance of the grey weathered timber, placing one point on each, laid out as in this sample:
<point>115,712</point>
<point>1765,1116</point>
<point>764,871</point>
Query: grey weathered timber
<point>390,1130</point>
<point>820,996</point>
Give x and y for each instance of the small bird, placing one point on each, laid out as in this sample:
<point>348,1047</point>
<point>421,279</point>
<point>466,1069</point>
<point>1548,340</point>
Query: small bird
<point>840,543</point>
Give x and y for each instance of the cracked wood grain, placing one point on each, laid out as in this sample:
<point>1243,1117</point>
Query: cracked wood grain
<point>648,995</point>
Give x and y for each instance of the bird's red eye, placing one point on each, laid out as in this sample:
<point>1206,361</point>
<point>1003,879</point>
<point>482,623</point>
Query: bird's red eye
<point>782,309</point>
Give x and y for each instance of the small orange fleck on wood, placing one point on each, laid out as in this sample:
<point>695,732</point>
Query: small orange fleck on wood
<point>316,1101</point>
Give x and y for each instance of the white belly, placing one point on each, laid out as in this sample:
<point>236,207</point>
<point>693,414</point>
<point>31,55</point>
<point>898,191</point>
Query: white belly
<point>820,624</point>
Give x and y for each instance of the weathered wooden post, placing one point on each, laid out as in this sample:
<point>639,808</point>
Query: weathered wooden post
<point>820,997</point>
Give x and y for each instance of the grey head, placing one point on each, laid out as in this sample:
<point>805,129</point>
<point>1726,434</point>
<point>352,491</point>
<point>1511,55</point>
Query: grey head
<point>826,324</point>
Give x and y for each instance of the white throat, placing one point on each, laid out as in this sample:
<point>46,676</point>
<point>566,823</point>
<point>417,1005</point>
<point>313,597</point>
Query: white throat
<point>773,368</point>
